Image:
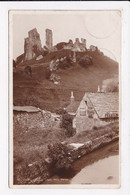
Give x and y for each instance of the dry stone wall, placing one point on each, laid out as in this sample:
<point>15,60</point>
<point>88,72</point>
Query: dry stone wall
<point>29,120</point>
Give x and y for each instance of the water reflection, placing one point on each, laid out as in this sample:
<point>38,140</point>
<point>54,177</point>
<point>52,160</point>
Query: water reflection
<point>98,167</point>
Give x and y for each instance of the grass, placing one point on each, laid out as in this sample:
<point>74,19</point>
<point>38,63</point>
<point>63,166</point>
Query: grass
<point>31,146</point>
<point>75,78</point>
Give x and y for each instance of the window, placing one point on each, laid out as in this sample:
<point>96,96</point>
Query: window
<point>82,112</point>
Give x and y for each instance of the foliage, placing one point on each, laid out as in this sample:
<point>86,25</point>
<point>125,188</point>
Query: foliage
<point>60,45</point>
<point>59,156</point>
<point>67,124</point>
<point>85,61</point>
<point>28,70</point>
<point>60,111</point>
<point>66,63</point>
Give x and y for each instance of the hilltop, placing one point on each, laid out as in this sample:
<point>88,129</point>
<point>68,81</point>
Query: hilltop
<point>73,78</point>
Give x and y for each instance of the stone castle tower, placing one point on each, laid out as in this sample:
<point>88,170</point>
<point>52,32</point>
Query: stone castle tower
<point>32,44</point>
<point>49,41</point>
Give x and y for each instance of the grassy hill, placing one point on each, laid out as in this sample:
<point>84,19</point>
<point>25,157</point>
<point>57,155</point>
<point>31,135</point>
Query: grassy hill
<point>76,78</point>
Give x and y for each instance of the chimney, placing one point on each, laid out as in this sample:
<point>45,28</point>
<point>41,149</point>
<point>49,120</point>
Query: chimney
<point>99,90</point>
<point>72,98</point>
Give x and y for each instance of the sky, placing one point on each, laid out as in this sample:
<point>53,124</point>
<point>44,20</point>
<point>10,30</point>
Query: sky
<point>99,28</point>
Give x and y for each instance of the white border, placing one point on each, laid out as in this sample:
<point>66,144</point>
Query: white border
<point>125,136</point>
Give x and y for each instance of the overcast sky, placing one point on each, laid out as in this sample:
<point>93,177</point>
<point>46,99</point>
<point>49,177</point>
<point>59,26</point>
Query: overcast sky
<point>99,28</point>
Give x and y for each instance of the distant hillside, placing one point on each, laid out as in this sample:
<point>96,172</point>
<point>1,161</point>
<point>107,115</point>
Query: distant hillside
<point>76,78</point>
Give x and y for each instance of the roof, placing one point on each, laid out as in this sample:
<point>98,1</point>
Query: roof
<point>72,108</point>
<point>104,103</point>
<point>26,108</point>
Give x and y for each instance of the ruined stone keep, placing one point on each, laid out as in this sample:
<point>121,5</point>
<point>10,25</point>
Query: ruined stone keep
<point>32,44</point>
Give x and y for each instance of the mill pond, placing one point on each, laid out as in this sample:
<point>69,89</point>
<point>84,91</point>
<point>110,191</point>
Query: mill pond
<point>98,167</point>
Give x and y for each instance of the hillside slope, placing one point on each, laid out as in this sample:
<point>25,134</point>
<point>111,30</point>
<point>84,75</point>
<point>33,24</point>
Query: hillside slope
<point>76,78</point>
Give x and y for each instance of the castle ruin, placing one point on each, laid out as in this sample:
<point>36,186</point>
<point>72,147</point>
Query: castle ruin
<point>49,41</point>
<point>77,45</point>
<point>32,44</point>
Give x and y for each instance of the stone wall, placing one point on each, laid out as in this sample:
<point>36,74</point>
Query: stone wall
<point>76,46</point>
<point>79,46</point>
<point>83,123</point>
<point>28,120</point>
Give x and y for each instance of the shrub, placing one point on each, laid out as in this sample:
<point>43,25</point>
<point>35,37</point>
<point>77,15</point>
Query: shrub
<point>85,61</point>
<point>60,111</point>
<point>58,155</point>
<point>67,124</point>
<point>28,70</point>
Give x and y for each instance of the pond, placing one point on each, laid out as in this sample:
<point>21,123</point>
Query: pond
<point>98,167</point>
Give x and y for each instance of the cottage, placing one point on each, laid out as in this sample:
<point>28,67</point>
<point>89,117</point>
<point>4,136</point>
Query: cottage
<point>95,109</point>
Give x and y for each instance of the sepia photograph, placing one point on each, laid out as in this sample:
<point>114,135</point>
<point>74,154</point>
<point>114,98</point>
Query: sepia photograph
<point>65,104</point>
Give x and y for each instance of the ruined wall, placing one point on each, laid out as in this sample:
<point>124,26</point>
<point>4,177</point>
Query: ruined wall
<point>93,48</point>
<point>32,44</point>
<point>79,46</point>
<point>68,45</point>
<point>49,41</point>
<point>76,46</point>
<point>28,120</point>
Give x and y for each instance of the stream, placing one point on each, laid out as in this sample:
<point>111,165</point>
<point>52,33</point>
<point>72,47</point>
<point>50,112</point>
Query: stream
<point>98,167</point>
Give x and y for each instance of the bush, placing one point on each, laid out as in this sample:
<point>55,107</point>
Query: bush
<point>85,61</point>
<point>58,156</point>
<point>67,124</point>
<point>28,70</point>
<point>60,111</point>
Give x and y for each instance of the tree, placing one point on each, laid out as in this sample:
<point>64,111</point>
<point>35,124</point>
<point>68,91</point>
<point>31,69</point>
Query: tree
<point>28,70</point>
<point>85,61</point>
<point>59,157</point>
<point>67,124</point>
